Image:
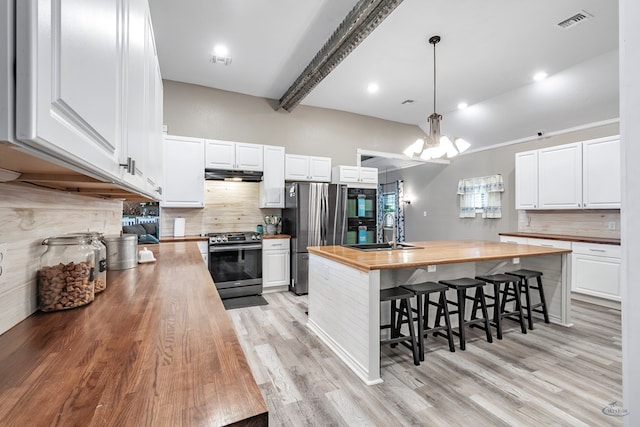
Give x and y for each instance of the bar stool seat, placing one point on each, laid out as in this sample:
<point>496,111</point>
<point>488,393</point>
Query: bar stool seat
<point>525,287</point>
<point>499,297</point>
<point>399,316</point>
<point>461,286</point>
<point>422,310</point>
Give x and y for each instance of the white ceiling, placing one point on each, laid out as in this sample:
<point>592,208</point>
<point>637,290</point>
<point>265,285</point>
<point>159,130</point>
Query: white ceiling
<point>489,52</point>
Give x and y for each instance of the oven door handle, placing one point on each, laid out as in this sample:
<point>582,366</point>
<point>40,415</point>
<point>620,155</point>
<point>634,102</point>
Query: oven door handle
<point>234,248</point>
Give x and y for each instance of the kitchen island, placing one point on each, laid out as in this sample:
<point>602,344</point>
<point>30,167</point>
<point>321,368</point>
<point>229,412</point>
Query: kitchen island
<point>345,283</point>
<point>155,348</point>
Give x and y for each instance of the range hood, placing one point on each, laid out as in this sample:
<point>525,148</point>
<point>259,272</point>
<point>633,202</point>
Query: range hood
<point>232,175</point>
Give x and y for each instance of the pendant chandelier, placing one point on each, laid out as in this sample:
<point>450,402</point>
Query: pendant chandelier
<point>435,145</point>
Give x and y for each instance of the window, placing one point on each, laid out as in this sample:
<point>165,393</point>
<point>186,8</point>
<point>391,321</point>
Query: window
<point>481,195</point>
<point>388,205</point>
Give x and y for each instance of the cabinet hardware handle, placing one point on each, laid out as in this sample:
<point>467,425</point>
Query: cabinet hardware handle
<point>130,166</point>
<point>277,244</point>
<point>597,250</point>
<point>159,190</point>
<point>547,246</point>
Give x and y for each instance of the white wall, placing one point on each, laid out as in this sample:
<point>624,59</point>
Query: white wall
<point>198,111</point>
<point>432,188</point>
<point>630,134</point>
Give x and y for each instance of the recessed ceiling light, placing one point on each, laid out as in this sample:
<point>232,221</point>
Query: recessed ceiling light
<point>540,76</point>
<point>220,50</point>
<point>462,105</point>
<point>372,88</point>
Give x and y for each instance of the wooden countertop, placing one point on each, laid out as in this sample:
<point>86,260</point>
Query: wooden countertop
<point>585,239</point>
<point>155,348</point>
<point>275,236</point>
<point>431,253</point>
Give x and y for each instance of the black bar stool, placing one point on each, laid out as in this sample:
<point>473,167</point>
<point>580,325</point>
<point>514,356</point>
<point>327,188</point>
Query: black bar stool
<point>525,286</point>
<point>499,297</point>
<point>422,311</point>
<point>399,316</point>
<point>461,286</point>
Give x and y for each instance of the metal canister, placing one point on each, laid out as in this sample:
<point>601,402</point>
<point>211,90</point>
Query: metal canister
<point>122,251</point>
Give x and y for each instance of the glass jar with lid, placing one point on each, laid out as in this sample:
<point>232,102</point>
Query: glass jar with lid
<point>100,271</point>
<point>65,278</point>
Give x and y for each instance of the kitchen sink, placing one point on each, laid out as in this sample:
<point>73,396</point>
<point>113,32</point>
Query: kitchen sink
<point>367,247</point>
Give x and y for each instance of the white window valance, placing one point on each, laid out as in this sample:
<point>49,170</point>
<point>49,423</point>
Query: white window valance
<point>481,194</point>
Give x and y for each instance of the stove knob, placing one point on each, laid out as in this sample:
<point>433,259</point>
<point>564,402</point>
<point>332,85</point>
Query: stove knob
<point>254,237</point>
<point>224,239</point>
<point>259,237</point>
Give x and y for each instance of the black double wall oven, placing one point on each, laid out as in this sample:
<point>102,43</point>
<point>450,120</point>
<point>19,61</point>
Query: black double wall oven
<point>235,263</point>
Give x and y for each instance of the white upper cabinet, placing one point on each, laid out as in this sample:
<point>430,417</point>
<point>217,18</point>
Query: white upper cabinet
<point>527,180</point>
<point>89,89</point>
<point>154,114</point>
<point>560,177</point>
<point>355,176</point>
<point>307,168</point>
<point>233,155</point>
<point>601,173</point>
<point>183,172</point>
<point>582,175</point>
<point>70,80</point>
<point>272,184</point>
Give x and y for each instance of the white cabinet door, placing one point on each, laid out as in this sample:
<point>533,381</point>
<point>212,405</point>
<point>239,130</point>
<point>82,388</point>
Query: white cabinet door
<point>154,115</point>
<point>346,174</point>
<point>527,180</point>
<point>134,143</point>
<point>595,270</point>
<point>69,80</point>
<point>307,168</point>
<point>296,167</point>
<point>320,169</point>
<point>369,175</point>
<point>183,172</point>
<point>233,155</point>
<point>560,177</point>
<point>220,154</point>
<point>514,239</point>
<point>272,184</point>
<point>601,173</point>
<point>249,157</point>
<point>203,247</point>
<point>275,262</point>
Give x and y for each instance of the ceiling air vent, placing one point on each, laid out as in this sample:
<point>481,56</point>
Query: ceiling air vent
<point>575,20</point>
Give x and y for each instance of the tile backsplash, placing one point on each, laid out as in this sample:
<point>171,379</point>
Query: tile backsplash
<point>28,215</point>
<point>589,223</point>
<point>228,206</point>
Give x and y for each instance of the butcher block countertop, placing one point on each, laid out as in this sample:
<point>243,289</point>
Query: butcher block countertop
<point>184,239</point>
<point>568,238</point>
<point>156,348</point>
<point>431,253</point>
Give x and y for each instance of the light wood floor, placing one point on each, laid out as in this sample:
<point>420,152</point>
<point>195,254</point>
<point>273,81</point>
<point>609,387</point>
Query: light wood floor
<point>551,376</point>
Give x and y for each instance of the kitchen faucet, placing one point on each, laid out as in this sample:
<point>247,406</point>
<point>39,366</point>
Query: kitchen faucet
<point>393,235</point>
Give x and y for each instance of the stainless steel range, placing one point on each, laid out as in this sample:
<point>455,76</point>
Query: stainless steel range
<point>235,263</point>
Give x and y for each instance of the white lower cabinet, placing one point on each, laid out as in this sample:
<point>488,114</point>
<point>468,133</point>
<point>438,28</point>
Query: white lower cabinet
<point>204,251</point>
<point>596,270</point>
<point>275,264</point>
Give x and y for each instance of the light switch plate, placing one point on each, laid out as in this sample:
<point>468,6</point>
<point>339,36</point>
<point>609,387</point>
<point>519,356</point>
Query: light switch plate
<point>431,268</point>
<point>516,260</point>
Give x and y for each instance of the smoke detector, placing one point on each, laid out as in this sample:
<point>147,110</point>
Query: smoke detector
<point>574,20</point>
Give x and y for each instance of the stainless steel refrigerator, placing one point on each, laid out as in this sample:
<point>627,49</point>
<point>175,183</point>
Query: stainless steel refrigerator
<point>319,214</point>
